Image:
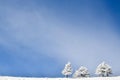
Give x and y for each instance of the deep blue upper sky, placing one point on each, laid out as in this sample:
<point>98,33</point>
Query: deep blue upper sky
<point>37,37</point>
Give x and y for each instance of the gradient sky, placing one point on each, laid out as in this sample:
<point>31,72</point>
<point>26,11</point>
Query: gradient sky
<point>38,37</point>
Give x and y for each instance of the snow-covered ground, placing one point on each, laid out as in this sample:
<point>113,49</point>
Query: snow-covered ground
<point>25,78</point>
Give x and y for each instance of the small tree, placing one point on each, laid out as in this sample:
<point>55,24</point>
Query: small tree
<point>103,70</point>
<point>76,74</point>
<point>67,70</point>
<point>81,72</point>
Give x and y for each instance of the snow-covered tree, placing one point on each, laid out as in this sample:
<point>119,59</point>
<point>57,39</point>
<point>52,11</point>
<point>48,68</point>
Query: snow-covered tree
<point>81,72</point>
<point>67,70</point>
<point>103,70</point>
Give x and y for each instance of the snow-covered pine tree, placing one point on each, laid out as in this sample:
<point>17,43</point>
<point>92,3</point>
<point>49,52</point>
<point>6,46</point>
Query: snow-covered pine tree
<point>103,70</point>
<point>81,72</point>
<point>76,74</point>
<point>67,70</point>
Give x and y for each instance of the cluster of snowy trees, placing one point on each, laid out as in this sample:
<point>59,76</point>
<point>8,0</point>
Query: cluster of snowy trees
<point>102,70</point>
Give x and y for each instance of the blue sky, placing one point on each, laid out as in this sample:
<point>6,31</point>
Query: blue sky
<point>37,37</point>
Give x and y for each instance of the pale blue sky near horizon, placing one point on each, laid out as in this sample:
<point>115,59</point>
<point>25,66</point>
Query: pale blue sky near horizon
<point>38,37</point>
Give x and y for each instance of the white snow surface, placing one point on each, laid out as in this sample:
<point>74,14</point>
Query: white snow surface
<point>28,78</point>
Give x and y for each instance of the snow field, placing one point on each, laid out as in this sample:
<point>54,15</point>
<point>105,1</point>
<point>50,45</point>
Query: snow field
<point>92,78</point>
